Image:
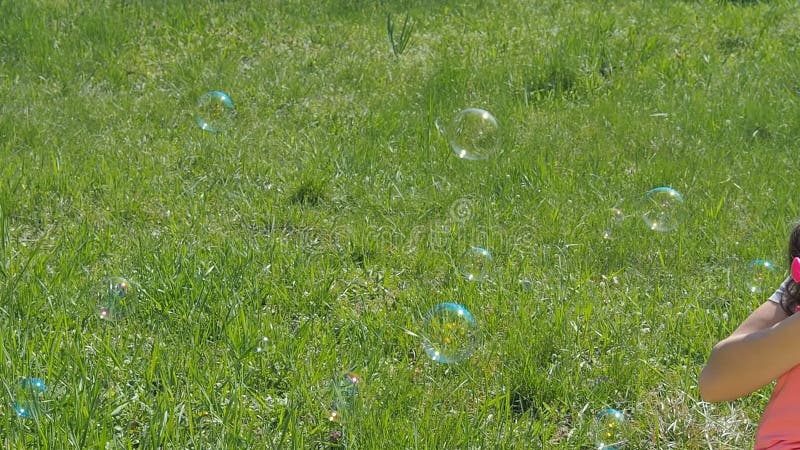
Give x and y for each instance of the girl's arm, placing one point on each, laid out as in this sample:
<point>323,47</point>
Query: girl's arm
<point>758,352</point>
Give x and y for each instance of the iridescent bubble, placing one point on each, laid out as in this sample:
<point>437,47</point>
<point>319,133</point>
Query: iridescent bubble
<point>474,134</point>
<point>116,297</point>
<point>262,344</point>
<point>760,276</point>
<point>663,209</point>
<point>609,429</point>
<point>215,111</point>
<point>475,263</point>
<point>616,216</point>
<point>345,391</point>
<point>28,397</point>
<point>450,333</point>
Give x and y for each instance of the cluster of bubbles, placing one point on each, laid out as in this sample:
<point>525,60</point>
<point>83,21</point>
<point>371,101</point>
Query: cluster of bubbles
<point>449,332</point>
<point>661,209</point>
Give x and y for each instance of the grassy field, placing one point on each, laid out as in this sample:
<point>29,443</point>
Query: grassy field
<point>310,238</point>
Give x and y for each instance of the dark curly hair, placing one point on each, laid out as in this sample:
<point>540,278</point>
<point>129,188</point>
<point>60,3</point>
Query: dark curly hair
<point>791,295</point>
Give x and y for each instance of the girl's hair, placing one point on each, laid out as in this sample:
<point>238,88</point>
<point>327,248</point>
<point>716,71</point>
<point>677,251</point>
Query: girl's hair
<point>791,295</point>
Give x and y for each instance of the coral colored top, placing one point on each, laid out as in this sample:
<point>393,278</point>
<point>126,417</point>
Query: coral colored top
<point>780,424</point>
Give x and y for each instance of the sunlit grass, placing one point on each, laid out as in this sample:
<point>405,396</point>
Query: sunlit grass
<point>310,238</point>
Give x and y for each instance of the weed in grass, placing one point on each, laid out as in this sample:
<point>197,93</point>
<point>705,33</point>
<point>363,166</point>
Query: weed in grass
<point>400,42</point>
<point>310,192</point>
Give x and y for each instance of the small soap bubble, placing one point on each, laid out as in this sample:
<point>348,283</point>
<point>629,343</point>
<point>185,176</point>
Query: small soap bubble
<point>475,263</point>
<point>615,218</point>
<point>334,416</point>
<point>262,345</point>
<point>663,209</point>
<point>345,391</point>
<point>760,276</point>
<point>450,333</point>
<point>116,297</point>
<point>609,429</point>
<point>28,397</point>
<point>215,111</point>
<point>473,134</point>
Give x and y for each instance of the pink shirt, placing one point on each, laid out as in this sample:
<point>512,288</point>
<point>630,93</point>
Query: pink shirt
<point>780,424</point>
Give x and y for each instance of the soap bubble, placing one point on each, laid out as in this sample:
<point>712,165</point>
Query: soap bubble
<point>663,209</point>
<point>609,429</point>
<point>28,397</point>
<point>616,216</point>
<point>473,134</point>
<point>760,276</point>
<point>475,263</point>
<point>345,392</point>
<point>215,111</point>
<point>262,345</point>
<point>449,333</point>
<point>116,297</point>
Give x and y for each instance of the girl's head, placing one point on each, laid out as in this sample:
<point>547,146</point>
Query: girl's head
<point>791,296</point>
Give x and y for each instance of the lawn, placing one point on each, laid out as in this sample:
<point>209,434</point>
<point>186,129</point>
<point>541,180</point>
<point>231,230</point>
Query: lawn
<point>282,268</point>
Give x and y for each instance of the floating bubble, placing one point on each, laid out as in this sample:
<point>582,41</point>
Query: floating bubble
<point>262,344</point>
<point>461,210</point>
<point>116,297</point>
<point>345,391</point>
<point>760,276</point>
<point>475,263</point>
<point>449,333</point>
<point>473,134</point>
<point>28,396</point>
<point>215,111</point>
<point>609,429</point>
<point>616,216</point>
<point>663,209</point>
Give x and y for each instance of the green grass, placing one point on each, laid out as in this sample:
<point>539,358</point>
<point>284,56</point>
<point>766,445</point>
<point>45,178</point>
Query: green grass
<point>321,219</point>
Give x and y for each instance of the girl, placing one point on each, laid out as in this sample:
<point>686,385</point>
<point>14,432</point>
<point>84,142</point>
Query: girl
<point>761,350</point>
